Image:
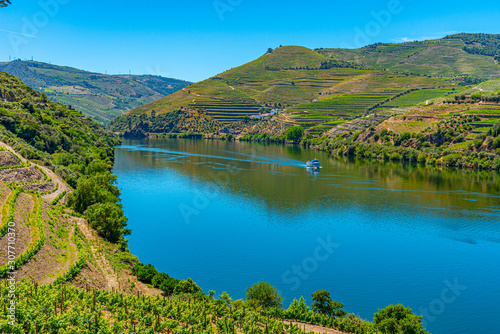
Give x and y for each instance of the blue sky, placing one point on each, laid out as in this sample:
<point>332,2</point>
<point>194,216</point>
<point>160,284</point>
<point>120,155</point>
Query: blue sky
<point>195,39</point>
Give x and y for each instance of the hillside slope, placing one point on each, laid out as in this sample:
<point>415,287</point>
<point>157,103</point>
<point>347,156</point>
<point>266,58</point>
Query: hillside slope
<point>289,78</point>
<point>462,54</point>
<point>46,152</point>
<point>103,97</point>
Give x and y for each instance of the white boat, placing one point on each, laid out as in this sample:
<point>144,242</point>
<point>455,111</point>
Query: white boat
<point>313,164</point>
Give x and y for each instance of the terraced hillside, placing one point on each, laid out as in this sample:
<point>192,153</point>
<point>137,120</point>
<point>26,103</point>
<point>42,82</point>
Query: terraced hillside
<point>309,88</point>
<point>43,239</point>
<point>441,57</point>
<point>102,97</point>
<point>48,244</point>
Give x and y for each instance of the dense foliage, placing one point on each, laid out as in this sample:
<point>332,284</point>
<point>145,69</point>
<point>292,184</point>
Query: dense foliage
<point>264,294</point>
<point>397,319</point>
<point>182,120</point>
<point>74,146</point>
<point>294,133</point>
<point>483,44</point>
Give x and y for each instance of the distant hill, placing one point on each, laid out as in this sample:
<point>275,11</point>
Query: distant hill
<point>102,97</point>
<point>461,54</point>
<point>314,90</point>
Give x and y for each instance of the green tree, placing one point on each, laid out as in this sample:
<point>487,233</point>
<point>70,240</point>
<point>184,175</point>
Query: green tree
<point>397,319</point>
<point>145,273</point>
<point>165,283</point>
<point>323,303</point>
<point>187,286</point>
<point>477,95</point>
<point>94,189</point>
<point>264,294</point>
<point>294,133</point>
<point>108,220</point>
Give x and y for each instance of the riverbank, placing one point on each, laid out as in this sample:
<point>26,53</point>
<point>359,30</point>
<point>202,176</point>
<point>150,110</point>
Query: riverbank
<point>372,151</point>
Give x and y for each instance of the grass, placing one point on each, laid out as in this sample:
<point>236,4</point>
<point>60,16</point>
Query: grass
<point>460,146</point>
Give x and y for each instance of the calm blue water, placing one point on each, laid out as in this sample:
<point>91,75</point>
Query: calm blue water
<point>231,214</point>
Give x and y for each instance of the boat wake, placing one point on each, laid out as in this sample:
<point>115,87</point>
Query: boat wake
<point>178,156</point>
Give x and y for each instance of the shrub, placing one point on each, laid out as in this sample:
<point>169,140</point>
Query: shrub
<point>108,220</point>
<point>264,294</point>
<point>187,286</point>
<point>421,158</point>
<point>145,273</point>
<point>396,319</point>
<point>405,136</point>
<point>294,133</point>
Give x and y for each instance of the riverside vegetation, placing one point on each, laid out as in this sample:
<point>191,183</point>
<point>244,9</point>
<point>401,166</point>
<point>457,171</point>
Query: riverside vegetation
<point>99,286</point>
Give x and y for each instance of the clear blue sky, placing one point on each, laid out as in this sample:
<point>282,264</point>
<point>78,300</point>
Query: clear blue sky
<point>194,39</point>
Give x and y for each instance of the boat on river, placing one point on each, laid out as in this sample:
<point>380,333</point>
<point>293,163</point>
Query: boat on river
<point>313,164</point>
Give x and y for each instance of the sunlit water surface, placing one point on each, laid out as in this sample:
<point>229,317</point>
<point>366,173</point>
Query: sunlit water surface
<point>231,214</point>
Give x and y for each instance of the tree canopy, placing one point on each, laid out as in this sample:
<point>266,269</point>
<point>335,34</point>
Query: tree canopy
<point>264,294</point>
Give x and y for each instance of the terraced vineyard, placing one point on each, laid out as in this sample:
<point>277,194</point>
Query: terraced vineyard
<point>325,114</point>
<point>66,309</point>
<point>225,112</point>
<point>415,97</point>
<point>290,78</point>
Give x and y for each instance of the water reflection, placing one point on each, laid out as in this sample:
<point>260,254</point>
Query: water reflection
<point>272,178</point>
<point>314,171</point>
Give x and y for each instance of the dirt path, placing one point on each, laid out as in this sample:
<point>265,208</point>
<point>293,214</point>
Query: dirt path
<point>62,186</point>
<point>314,328</point>
<point>104,265</point>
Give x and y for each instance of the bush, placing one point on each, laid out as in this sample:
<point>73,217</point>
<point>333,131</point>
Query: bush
<point>421,158</point>
<point>405,136</point>
<point>108,220</point>
<point>264,294</point>
<point>295,133</point>
<point>397,319</point>
<point>496,142</point>
<point>165,283</point>
<point>145,273</point>
<point>187,286</point>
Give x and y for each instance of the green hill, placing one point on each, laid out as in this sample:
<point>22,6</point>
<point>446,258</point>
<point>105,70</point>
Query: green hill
<point>102,97</point>
<point>293,79</point>
<point>462,54</point>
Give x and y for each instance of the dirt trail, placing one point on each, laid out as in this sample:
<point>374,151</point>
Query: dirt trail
<point>106,269</point>
<point>315,328</point>
<point>62,186</point>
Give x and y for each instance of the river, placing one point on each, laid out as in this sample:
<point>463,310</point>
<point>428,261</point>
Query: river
<point>230,214</point>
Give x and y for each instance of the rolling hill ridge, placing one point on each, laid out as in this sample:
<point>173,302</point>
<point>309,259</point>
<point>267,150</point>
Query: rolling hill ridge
<point>102,97</point>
